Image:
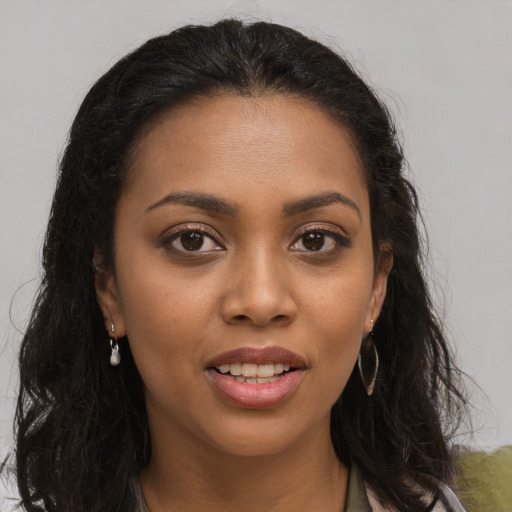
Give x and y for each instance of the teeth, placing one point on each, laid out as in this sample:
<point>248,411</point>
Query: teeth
<point>266,380</point>
<point>248,371</point>
<point>257,380</point>
<point>265,370</point>
<point>278,368</point>
<point>235,369</point>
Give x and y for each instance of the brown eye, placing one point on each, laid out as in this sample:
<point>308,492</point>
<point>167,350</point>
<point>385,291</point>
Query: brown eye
<point>192,241</point>
<point>321,241</point>
<point>313,241</point>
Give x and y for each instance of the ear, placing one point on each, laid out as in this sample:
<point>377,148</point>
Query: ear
<point>107,296</point>
<point>380,280</point>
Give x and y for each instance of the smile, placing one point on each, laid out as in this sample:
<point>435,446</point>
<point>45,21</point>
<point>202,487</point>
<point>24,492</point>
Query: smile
<point>250,373</point>
<point>256,378</point>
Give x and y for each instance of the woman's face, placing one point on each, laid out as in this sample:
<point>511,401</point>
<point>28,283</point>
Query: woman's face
<point>243,248</point>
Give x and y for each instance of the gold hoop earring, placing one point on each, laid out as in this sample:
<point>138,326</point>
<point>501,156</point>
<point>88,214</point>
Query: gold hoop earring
<point>368,351</point>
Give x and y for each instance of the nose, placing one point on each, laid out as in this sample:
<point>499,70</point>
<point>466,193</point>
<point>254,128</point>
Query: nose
<point>258,292</point>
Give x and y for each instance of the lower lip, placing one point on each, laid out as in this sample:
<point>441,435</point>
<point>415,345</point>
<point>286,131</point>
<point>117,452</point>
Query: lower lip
<point>256,396</point>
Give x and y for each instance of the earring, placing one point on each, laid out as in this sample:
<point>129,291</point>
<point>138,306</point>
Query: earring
<point>366,346</point>
<point>115,356</point>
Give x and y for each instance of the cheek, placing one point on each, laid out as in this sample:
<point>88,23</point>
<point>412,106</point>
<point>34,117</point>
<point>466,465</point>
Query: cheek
<point>165,318</point>
<point>156,295</point>
<point>336,358</point>
<point>340,304</point>
<point>337,314</point>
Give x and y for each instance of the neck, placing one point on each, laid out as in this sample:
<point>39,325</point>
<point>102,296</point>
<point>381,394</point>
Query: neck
<point>195,476</point>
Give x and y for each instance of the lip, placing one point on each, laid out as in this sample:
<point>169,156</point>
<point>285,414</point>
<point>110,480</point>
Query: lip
<point>257,396</point>
<point>264,355</point>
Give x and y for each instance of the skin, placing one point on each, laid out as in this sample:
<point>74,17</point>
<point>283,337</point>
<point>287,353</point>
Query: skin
<point>255,282</point>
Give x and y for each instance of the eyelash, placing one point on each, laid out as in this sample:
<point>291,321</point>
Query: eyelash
<point>340,240</point>
<point>178,232</point>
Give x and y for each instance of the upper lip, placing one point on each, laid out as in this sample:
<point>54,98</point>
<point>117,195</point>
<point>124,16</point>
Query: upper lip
<point>263,355</point>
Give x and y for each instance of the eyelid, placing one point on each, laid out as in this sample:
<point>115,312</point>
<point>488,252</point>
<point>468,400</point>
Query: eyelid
<point>326,228</point>
<point>192,226</point>
<point>337,233</point>
<point>173,233</point>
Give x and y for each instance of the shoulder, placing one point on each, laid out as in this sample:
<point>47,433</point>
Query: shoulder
<point>361,498</point>
<point>447,502</point>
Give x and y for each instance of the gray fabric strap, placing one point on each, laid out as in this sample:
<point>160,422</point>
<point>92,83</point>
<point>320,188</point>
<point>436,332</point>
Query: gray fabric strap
<point>357,500</point>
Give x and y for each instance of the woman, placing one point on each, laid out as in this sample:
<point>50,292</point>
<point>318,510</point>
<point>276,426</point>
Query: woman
<point>233,312</point>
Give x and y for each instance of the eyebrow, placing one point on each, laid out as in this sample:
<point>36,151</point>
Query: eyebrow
<point>203,201</point>
<point>317,201</point>
<point>211,203</point>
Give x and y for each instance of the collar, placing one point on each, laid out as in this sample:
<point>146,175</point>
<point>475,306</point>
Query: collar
<point>357,498</point>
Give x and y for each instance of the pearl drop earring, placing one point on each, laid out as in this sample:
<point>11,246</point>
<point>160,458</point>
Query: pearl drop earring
<point>115,356</point>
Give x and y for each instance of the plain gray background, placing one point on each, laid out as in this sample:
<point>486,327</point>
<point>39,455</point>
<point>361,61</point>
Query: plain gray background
<point>443,67</point>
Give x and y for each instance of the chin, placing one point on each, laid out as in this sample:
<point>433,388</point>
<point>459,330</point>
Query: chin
<point>263,435</point>
<point>256,446</point>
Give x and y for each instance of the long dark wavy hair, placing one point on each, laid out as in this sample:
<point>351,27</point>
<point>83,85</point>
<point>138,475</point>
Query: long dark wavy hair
<point>82,430</point>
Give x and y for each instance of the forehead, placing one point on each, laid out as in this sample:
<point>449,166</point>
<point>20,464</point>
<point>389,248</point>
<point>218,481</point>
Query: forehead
<point>229,143</point>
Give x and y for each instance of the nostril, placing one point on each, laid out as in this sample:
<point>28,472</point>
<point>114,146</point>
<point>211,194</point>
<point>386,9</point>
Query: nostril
<point>240,317</point>
<point>245,318</point>
<point>260,309</point>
